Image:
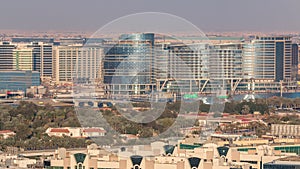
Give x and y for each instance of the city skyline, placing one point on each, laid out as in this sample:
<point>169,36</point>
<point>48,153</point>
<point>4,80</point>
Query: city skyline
<point>235,63</point>
<point>140,84</point>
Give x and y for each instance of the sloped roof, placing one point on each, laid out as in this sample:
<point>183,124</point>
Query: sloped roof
<point>5,131</point>
<point>58,130</point>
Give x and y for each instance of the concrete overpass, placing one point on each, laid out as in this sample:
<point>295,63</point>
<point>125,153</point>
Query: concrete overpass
<point>87,102</point>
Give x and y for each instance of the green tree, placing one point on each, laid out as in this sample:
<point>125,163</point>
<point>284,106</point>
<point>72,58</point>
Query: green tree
<point>245,109</point>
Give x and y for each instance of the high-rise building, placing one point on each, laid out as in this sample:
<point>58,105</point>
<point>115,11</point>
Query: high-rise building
<point>42,58</point>
<point>36,56</point>
<point>188,66</point>
<point>295,60</point>
<point>161,62</point>
<point>295,54</point>
<point>226,66</point>
<point>199,67</point>
<point>268,59</point>
<point>299,62</point>
<point>6,55</point>
<point>128,64</point>
<point>64,63</point>
<point>23,58</point>
<point>226,61</point>
<point>136,65</point>
<point>76,62</point>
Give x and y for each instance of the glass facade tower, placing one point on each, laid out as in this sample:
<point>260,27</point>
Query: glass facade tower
<point>295,60</point>
<point>42,58</point>
<point>128,64</point>
<point>189,66</point>
<point>19,80</point>
<point>6,55</point>
<point>23,59</point>
<point>268,59</point>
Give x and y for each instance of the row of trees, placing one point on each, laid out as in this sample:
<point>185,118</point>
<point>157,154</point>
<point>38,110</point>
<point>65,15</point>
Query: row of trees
<point>30,122</point>
<point>44,142</point>
<point>264,106</point>
<point>279,102</point>
<point>119,123</point>
<point>232,107</point>
<point>261,105</point>
<point>255,127</point>
<point>260,128</point>
<point>288,119</point>
<point>122,125</point>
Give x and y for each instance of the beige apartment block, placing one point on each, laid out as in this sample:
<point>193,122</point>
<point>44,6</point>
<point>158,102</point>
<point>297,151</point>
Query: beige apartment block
<point>209,156</point>
<point>285,130</point>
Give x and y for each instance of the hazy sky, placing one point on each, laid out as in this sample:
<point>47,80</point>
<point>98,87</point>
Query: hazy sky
<point>208,15</point>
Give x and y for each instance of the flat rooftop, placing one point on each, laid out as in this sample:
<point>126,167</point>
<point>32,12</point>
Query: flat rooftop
<point>291,158</point>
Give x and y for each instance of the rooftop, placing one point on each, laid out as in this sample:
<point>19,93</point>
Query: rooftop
<point>5,131</point>
<point>291,158</point>
<point>94,130</point>
<point>57,130</point>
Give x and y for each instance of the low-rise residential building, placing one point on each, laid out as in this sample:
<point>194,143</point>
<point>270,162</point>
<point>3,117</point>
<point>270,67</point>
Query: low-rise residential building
<point>6,134</point>
<point>76,132</point>
<point>127,137</point>
<point>208,156</point>
<point>14,161</point>
<point>93,132</point>
<point>58,132</point>
<point>24,162</point>
<point>285,130</point>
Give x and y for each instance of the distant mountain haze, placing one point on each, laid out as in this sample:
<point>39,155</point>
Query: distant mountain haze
<point>208,15</point>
